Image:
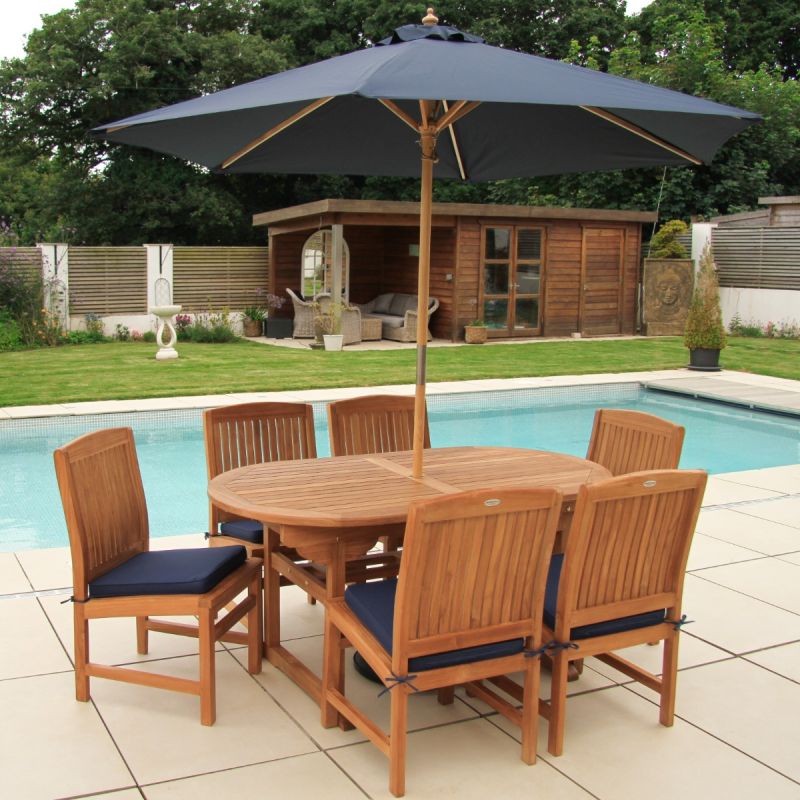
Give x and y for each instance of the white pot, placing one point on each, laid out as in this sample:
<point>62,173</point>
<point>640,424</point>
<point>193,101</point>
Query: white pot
<point>333,341</point>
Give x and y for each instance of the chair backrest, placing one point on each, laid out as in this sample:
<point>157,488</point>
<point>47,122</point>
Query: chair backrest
<point>474,570</point>
<point>630,441</point>
<point>373,424</point>
<point>104,505</point>
<point>296,301</point>
<point>254,433</point>
<point>627,547</point>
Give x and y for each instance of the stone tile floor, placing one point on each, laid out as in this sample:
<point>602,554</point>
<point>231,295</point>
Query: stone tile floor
<point>736,732</point>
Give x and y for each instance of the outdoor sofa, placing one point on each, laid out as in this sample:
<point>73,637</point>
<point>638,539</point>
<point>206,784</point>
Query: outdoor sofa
<point>398,315</point>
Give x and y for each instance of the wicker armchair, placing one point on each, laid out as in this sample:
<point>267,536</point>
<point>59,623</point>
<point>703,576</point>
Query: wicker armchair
<point>306,311</point>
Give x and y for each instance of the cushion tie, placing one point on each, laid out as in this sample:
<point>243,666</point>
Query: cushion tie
<point>71,599</point>
<point>396,680</point>
<point>550,647</point>
<point>678,624</point>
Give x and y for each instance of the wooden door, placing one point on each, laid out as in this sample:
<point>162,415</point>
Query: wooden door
<point>602,281</point>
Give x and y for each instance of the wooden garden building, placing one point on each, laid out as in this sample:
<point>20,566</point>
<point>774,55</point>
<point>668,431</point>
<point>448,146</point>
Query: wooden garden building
<point>525,270</point>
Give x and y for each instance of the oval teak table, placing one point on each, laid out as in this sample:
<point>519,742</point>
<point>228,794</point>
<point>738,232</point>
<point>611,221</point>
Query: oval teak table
<point>331,510</point>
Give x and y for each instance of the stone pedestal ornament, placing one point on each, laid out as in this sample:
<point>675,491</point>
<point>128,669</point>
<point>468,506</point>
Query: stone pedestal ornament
<point>165,311</point>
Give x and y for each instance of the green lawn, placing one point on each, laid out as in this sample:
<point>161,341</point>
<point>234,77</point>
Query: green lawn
<point>123,370</point>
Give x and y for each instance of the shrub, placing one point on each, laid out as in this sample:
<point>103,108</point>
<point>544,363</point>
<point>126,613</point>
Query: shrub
<point>10,334</point>
<point>21,296</point>
<point>47,329</point>
<point>210,328</point>
<point>149,336</point>
<point>664,243</point>
<point>704,328</point>
<point>123,333</point>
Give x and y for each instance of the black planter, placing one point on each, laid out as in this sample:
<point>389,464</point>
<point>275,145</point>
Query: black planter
<point>278,328</point>
<point>704,359</point>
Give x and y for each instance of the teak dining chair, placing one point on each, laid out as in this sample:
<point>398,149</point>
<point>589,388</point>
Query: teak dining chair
<point>380,423</point>
<point>629,441</point>
<point>620,581</point>
<point>252,433</point>
<point>116,575</point>
<point>467,605</point>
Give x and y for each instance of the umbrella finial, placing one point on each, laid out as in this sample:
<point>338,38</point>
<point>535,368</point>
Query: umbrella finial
<point>430,18</point>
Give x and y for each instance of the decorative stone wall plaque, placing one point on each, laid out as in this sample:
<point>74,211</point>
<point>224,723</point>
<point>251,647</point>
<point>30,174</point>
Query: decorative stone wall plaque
<point>668,284</point>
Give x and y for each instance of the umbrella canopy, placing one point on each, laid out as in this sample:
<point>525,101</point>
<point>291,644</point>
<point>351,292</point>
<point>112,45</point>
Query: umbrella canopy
<point>431,94</point>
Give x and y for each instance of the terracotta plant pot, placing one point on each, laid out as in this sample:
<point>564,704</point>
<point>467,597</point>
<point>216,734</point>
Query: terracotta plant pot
<point>475,334</point>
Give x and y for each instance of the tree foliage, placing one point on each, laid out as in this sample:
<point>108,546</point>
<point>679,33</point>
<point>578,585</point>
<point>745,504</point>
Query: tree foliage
<point>107,59</point>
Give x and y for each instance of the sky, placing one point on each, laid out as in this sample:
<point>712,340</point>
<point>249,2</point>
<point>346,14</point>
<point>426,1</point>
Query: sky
<point>20,17</point>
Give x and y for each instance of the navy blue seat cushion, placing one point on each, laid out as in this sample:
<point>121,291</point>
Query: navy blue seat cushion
<point>248,529</point>
<point>597,628</point>
<point>373,604</point>
<point>169,572</point>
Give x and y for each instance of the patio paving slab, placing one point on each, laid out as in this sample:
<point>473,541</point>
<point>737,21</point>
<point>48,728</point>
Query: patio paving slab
<point>53,746</point>
<point>785,510</point>
<point>785,660</point>
<point>784,479</point>
<point>720,492</point>
<point>473,760</point>
<point>616,749</point>
<point>299,777</point>
<point>709,552</point>
<point>12,578</point>
<point>772,580</point>
<point>162,738</point>
<point>36,649</point>
<point>733,621</point>
<point>738,526</point>
<point>747,706</point>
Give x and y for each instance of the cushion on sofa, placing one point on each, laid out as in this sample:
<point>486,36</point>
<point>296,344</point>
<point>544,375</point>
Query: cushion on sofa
<point>382,302</point>
<point>389,321</point>
<point>400,303</point>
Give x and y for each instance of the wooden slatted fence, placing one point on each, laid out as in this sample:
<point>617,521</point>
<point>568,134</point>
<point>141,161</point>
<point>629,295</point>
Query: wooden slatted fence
<point>23,259</point>
<point>107,280</point>
<point>219,277</point>
<point>758,258</point>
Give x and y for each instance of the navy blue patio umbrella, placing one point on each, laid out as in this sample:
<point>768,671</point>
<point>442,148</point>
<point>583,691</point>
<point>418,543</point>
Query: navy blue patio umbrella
<point>431,95</point>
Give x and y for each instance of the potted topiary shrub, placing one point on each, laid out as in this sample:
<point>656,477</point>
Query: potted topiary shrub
<point>476,332</point>
<point>705,333</point>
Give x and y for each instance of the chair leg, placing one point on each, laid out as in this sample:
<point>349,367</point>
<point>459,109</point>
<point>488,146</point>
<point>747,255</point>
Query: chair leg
<point>530,710</point>
<point>255,648</point>
<point>669,680</point>
<point>397,741</point>
<point>446,695</point>
<point>142,635</point>
<point>558,705</point>
<point>81,631</point>
<point>208,699</point>
<point>332,672</point>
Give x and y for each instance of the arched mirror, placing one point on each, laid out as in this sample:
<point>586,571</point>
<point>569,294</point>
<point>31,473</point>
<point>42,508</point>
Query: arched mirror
<point>317,265</point>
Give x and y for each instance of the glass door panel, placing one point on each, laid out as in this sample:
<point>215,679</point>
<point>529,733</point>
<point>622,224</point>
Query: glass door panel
<point>496,279</point>
<point>526,313</point>
<point>495,314</point>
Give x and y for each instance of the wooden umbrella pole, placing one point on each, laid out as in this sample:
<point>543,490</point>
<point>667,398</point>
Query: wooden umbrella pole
<point>428,145</point>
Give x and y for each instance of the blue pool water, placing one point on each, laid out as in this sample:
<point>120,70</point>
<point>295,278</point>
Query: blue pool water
<point>719,438</point>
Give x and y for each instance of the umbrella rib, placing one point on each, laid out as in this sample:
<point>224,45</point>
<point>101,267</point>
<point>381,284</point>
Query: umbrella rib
<point>398,112</point>
<point>281,126</point>
<point>635,129</point>
<point>454,141</point>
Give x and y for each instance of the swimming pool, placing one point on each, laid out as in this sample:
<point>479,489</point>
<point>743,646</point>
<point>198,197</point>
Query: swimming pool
<point>719,438</point>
